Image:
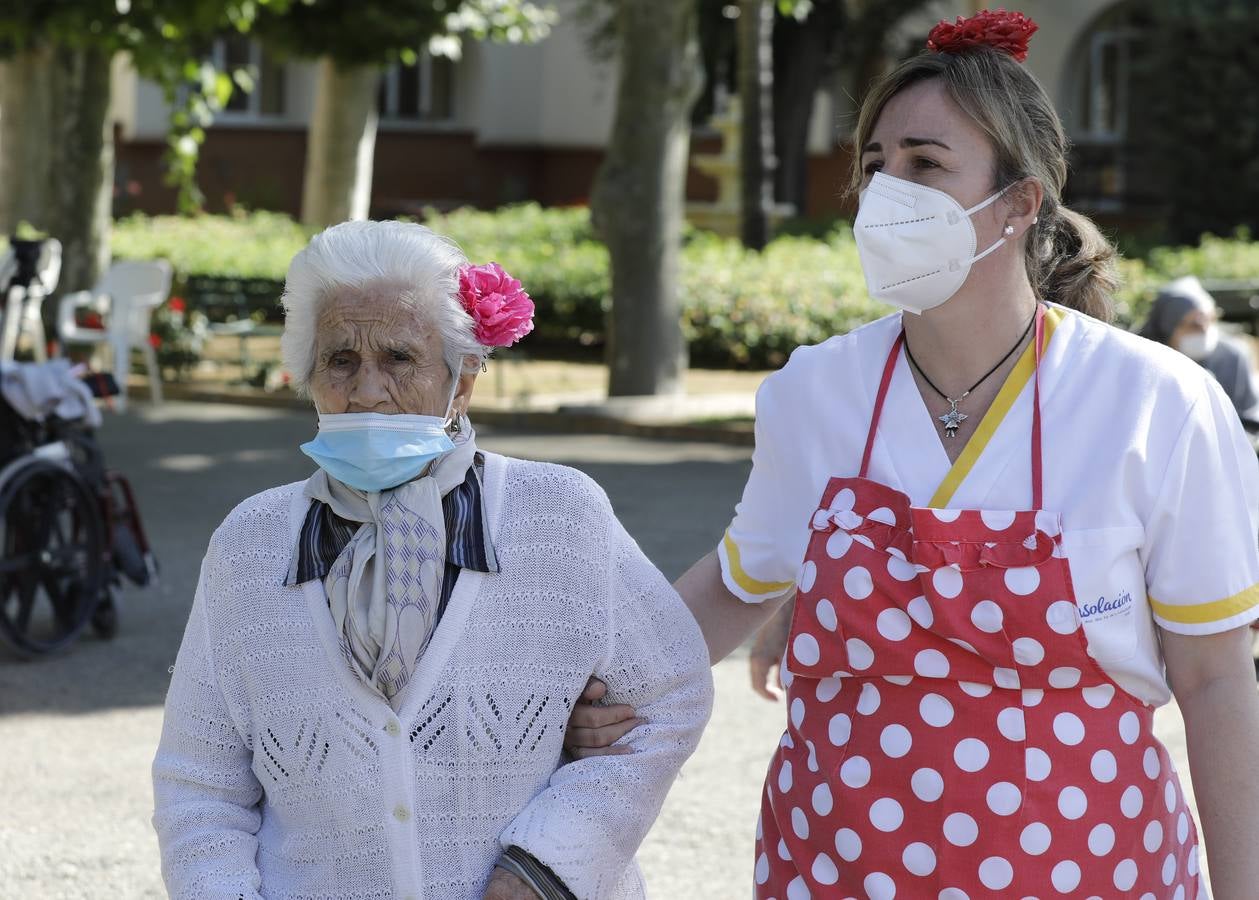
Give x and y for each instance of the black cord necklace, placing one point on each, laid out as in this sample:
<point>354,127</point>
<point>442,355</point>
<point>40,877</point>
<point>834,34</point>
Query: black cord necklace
<point>953,419</point>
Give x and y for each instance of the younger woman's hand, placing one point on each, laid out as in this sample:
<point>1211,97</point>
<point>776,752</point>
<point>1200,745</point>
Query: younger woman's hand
<point>765,658</point>
<point>592,729</point>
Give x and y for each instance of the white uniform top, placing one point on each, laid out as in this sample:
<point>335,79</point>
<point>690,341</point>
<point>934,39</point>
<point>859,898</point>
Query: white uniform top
<point>1144,457</point>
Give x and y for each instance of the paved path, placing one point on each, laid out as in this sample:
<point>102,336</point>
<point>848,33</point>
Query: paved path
<point>77,732</point>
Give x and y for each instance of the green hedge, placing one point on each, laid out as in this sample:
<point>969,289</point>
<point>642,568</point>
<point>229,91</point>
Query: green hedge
<point>256,245</point>
<point>554,254</point>
<point>739,308</point>
<point>1234,258</point>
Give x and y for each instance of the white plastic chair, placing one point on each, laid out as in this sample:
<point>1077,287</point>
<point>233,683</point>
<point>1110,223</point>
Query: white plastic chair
<point>125,299</point>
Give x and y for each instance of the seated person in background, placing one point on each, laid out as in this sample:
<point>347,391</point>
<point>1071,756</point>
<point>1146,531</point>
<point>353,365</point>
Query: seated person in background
<point>1184,317</point>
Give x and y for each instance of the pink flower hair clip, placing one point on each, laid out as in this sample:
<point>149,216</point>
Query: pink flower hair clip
<point>502,311</point>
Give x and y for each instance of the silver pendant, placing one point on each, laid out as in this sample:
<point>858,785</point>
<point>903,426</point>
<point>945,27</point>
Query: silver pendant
<point>952,419</point>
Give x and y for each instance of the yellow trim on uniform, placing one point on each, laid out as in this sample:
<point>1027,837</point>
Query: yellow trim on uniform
<point>1205,613</point>
<point>743,579</point>
<point>1018,378</point>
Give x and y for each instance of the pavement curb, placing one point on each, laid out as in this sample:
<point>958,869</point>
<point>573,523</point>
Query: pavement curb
<point>559,422</point>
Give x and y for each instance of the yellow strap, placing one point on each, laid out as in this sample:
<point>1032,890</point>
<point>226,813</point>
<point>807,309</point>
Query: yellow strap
<point>1014,384</point>
<point>1205,613</point>
<point>746,581</point>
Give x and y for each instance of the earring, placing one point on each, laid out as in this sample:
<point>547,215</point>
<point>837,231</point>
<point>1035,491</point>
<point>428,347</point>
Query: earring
<point>1035,219</point>
<point>455,427</point>
<point>1009,230</point>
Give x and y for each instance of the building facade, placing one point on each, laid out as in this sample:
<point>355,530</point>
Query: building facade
<point>507,124</point>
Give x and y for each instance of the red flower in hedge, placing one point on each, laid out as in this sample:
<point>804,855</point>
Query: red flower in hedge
<point>177,304</point>
<point>1000,30</point>
<point>154,341</point>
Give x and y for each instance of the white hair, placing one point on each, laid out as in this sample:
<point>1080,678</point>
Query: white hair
<point>420,264</point>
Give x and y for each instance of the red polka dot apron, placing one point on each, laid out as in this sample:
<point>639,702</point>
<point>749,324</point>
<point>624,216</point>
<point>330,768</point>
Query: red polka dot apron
<point>949,735</point>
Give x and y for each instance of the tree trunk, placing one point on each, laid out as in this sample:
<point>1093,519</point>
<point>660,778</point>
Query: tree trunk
<point>802,53</point>
<point>340,145</point>
<point>25,137</point>
<point>756,92</point>
<point>80,181</point>
<point>639,193</point>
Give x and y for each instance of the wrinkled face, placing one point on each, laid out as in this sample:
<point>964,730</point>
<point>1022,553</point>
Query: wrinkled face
<point>924,137</point>
<point>374,353</point>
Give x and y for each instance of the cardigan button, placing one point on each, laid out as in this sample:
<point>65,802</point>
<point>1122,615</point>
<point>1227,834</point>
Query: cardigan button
<point>401,813</point>
<point>392,728</point>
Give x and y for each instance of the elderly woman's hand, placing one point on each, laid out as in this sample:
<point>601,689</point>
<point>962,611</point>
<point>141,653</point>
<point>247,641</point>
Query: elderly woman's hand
<point>506,886</point>
<point>592,730</point>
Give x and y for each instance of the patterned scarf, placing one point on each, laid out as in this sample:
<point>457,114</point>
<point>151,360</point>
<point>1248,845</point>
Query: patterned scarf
<point>386,614</point>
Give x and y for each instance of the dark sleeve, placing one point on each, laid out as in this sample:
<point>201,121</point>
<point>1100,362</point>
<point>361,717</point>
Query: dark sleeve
<point>533,873</point>
<point>1244,392</point>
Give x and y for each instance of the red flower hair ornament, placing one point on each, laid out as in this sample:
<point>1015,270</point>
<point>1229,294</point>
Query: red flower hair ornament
<point>502,311</point>
<point>1000,30</point>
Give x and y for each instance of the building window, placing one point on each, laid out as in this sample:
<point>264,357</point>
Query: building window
<point>1111,170</point>
<point>266,100</point>
<point>1102,99</point>
<point>421,91</point>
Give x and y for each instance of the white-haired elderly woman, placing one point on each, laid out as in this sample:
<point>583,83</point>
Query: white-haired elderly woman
<point>380,662</point>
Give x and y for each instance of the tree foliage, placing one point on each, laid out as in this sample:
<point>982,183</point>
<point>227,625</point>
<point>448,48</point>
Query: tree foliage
<point>168,42</point>
<point>1198,121</point>
<point>379,32</point>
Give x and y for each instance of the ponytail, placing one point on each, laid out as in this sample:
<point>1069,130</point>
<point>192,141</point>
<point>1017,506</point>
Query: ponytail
<point>1071,263</point>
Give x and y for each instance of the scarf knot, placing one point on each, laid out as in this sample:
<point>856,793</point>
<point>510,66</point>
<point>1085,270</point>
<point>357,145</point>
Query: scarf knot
<point>384,589</point>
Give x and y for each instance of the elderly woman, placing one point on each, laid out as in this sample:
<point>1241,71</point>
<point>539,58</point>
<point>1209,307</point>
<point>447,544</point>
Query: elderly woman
<point>372,692</point>
<point>1184,318</point>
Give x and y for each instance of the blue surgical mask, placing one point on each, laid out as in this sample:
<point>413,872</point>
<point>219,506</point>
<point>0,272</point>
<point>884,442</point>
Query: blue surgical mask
<point>375,452</point>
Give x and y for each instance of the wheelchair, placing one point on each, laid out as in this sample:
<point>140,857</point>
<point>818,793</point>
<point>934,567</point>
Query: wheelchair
<point>70,532</point>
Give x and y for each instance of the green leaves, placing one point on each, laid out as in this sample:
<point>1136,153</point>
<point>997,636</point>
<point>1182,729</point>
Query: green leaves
<point>254,245</point>
<point>223,86</point>
<point>378,32</point>
<point>796,9</point>
<point>740,308</point>
<point>1214,258</point>
<point>509,21</point>
<point>168,42</point>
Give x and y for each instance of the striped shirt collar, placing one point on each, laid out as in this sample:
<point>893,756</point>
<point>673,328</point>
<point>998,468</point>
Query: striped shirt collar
<point>324,534</point>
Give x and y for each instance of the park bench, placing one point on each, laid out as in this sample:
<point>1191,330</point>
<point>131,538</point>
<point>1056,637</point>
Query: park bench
<point>243,308</point>
<point>1238,301</point>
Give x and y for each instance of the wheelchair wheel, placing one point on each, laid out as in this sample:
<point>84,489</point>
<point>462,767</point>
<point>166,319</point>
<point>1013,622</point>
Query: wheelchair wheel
<point>105,617</point>
<point>52,574</point>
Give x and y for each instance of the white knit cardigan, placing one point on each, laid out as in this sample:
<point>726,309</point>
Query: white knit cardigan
<point>280,775</point>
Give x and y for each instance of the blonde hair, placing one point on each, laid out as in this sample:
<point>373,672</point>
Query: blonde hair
<point>1068,260</point>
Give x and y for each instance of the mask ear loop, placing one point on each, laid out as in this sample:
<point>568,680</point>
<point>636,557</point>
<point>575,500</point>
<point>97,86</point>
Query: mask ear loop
<point>993,249</point>
<point>451,422</point>
<point>976,208</point>
<point>985,203</point>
